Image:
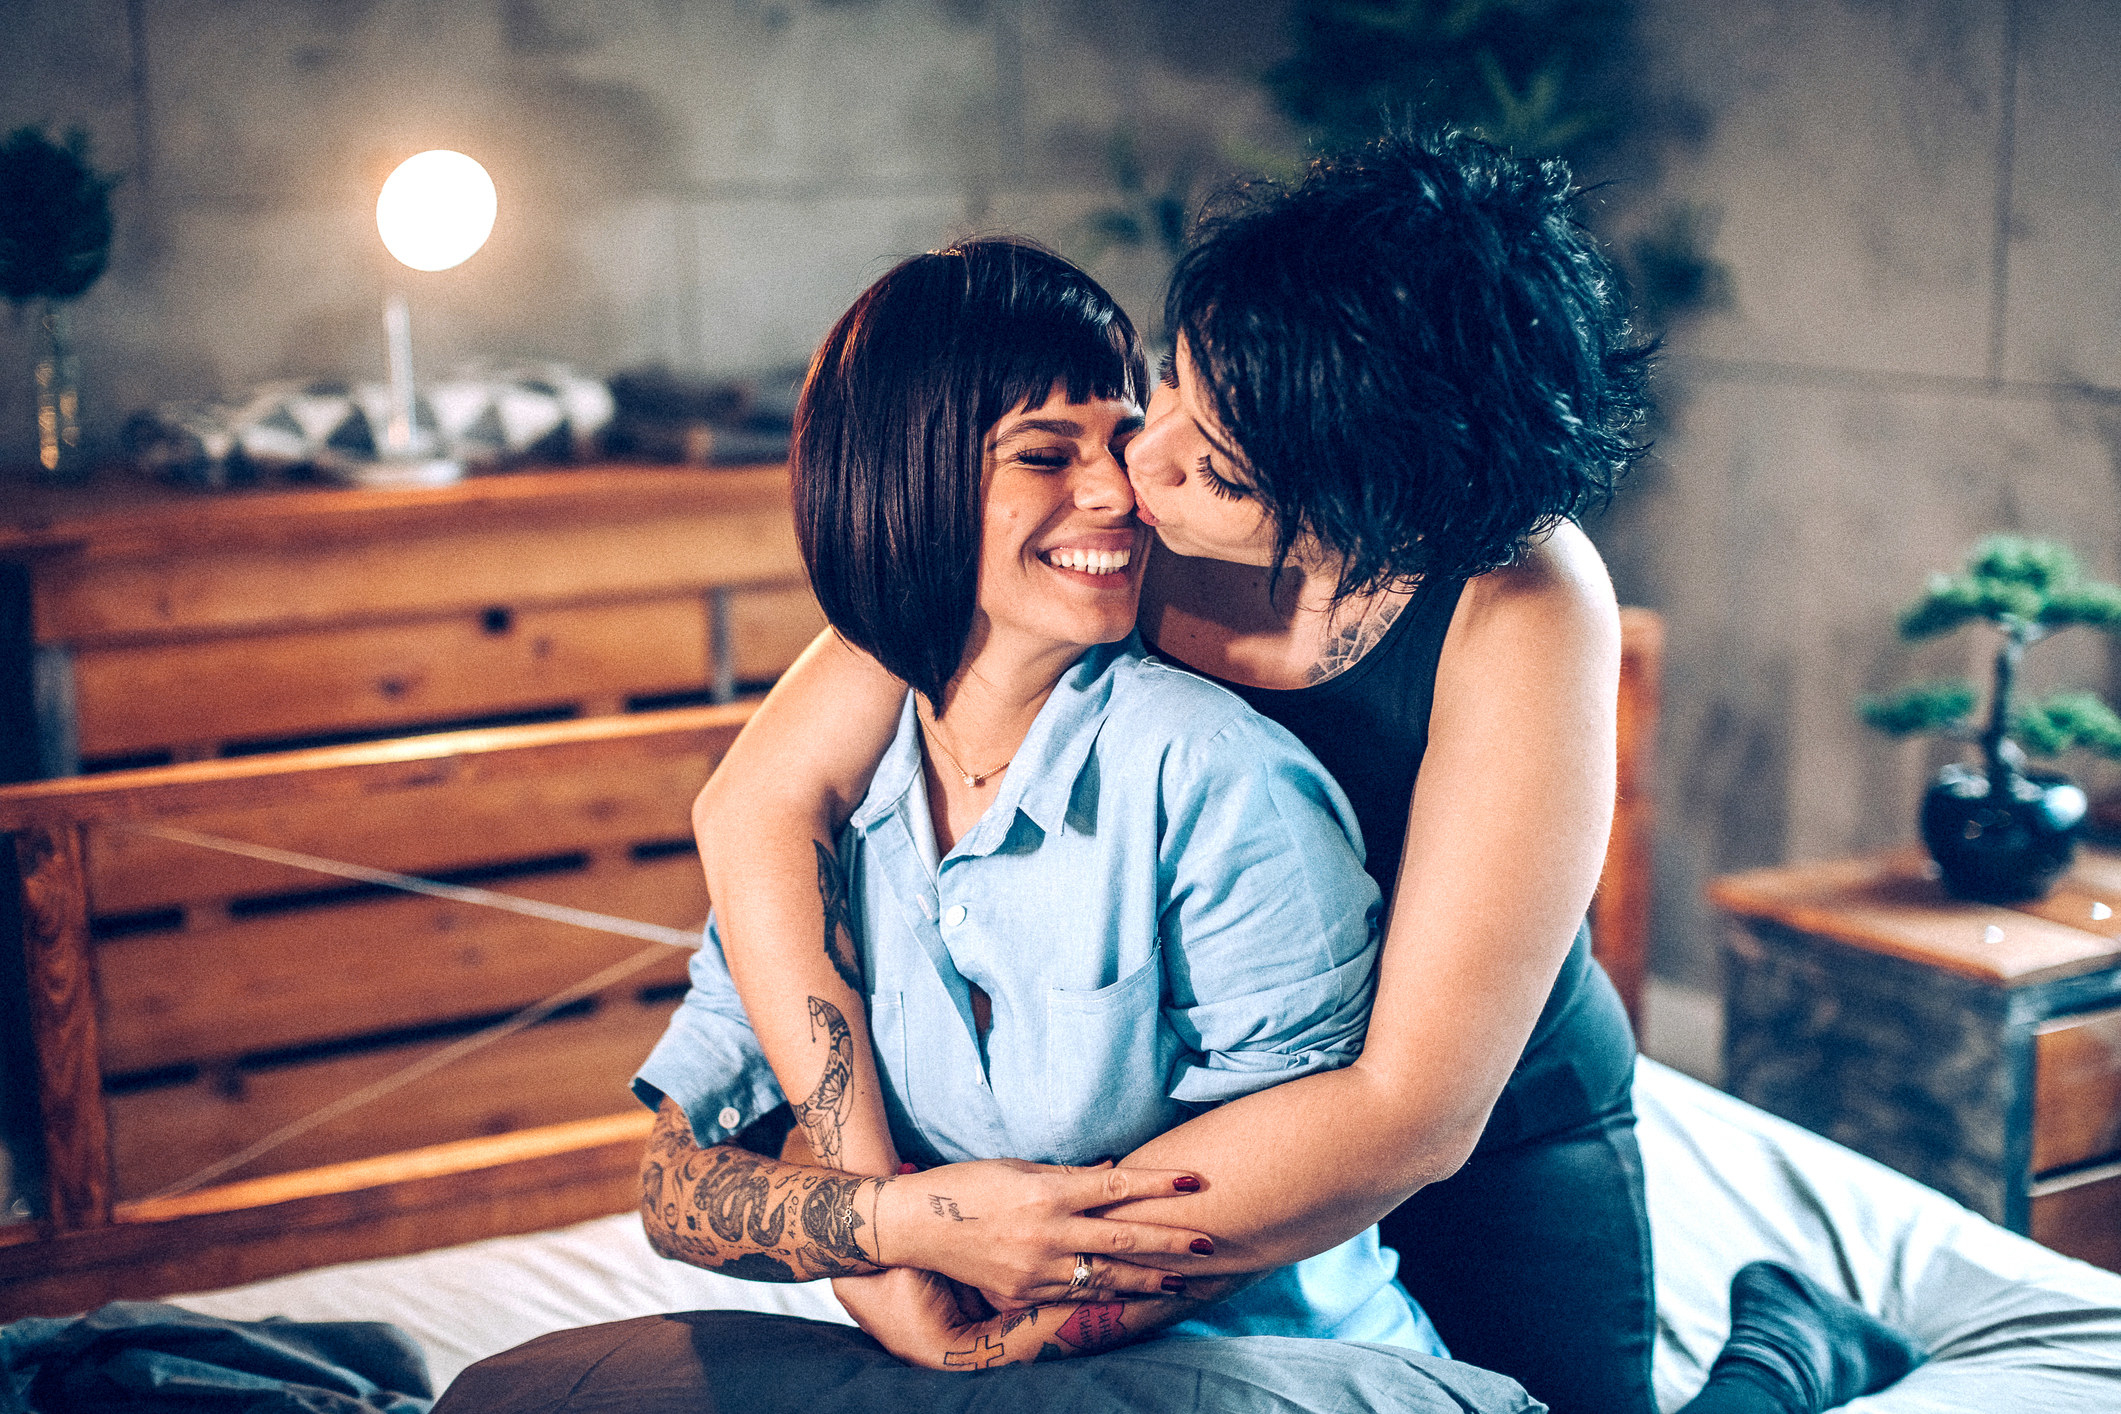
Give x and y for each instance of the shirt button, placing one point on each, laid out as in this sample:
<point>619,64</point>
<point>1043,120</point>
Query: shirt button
<point>728,1117</point>
<point>954,915</point>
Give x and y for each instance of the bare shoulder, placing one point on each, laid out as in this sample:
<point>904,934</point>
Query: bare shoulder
<point>1555,606</point>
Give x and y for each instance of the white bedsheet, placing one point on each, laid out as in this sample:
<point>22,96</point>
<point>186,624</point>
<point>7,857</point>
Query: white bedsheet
<point>2012,1326</point>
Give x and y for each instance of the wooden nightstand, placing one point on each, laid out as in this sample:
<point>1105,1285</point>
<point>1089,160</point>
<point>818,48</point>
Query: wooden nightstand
<point>1973,1047</point>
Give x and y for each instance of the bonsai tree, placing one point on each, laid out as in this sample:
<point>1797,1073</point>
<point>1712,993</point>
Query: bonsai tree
<point>2026,590</point>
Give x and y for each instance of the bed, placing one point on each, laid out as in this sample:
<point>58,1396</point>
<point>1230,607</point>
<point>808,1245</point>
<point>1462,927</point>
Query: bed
<point>181,1007</point>
<point>2012,1325</point>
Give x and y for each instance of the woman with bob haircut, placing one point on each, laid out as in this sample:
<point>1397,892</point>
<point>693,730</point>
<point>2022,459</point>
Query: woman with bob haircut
<point>1398,382</point>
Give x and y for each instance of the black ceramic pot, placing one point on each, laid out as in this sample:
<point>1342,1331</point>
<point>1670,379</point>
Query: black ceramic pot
<point>2001,846</point>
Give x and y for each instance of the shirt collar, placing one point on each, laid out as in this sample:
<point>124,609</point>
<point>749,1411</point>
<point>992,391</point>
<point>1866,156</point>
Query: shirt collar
<point>1042,775</point>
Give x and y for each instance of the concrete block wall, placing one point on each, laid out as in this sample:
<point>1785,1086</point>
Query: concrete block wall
<point>705,185</point>
<point>1919,202</point>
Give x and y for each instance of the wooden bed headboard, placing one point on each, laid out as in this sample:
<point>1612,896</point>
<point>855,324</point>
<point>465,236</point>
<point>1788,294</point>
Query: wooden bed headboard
<point>184,1003</point>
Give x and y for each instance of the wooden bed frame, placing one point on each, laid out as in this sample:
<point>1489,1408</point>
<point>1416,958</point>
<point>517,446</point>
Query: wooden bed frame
<point>179,1006</point>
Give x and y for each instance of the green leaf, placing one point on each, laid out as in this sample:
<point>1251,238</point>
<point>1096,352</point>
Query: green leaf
<point>55,219</point>
<point>1948,602</point>
<point>2091,603</point>
<point>1946,706</point>
<point>2068,719</point>
<point>2039,565</point>
<point>2017,584</point>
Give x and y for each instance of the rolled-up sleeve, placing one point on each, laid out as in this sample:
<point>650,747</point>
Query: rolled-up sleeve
<point>708,1059</point>
<point>1270,933</point>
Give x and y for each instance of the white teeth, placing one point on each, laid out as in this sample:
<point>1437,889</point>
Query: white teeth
<point>1090,561</point>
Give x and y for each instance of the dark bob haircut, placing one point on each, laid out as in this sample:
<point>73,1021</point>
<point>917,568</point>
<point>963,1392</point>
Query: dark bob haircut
<point>1418,350</point>
<point>891,433</point>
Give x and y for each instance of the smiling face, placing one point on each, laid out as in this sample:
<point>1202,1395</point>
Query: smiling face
<point>1189,482</point>
<point>1061,551</point>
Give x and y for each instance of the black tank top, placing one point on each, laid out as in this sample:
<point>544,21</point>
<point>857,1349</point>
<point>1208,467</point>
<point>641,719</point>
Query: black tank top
<point>1369,727</point>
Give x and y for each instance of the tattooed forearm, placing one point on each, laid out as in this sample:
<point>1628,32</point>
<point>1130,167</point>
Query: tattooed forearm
<point>824,1115</point>
<point>1063,1330</point>
<point>730,1210</point>
<point>839,919</point>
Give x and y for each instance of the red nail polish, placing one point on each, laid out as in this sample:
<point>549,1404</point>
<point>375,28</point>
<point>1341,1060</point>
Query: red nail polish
<point>909,1168</point>
<point>1175,1285</point>
<point>1203,1246</point>
<point>1186,1183</point>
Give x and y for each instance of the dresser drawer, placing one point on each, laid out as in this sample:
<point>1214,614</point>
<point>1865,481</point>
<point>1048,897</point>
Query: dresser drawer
<point>365,677</point>
<point>2076,1089</point>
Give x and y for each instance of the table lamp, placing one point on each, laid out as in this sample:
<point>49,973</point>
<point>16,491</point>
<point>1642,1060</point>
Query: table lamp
<point>434,213</point>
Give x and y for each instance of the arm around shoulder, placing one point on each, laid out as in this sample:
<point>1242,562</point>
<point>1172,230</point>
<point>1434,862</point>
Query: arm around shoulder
<point>1506,833</point>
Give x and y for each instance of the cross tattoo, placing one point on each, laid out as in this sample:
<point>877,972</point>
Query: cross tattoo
<point>988,1347</point>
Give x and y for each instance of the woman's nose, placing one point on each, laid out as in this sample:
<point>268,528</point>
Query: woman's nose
<point>1103,486</point>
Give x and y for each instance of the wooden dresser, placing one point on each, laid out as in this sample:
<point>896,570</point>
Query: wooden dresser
<point>174,625</point>
<point>1976,1048</point>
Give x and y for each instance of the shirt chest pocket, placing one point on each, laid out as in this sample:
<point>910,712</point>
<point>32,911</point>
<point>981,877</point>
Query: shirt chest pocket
<point>1108,1067</point>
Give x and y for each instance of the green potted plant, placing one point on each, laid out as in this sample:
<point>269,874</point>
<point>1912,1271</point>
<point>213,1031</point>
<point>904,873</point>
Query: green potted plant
<point>2000,832</point>
<point>55,232</point>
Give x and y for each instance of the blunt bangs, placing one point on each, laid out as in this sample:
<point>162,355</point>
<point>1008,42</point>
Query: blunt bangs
<point>892,425</point>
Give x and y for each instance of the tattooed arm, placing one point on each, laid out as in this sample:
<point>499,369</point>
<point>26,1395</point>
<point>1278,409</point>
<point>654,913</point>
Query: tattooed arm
<point>729,1210</point>
<point>922,1318</point>
<point>781,896</point>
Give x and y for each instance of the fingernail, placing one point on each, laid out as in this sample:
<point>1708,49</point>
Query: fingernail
<point>1203,1246</point>
<point>909,1168</point>
<point>1186,1183</point>
<point>1108,1159</point>
<point>1175,1285</point>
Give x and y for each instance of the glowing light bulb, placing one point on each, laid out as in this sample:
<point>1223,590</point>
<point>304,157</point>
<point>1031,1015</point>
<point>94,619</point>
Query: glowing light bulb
<point>436,210</point>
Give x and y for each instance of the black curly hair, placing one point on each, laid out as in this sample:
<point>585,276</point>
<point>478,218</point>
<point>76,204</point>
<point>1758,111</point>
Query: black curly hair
<point>1420,352</point>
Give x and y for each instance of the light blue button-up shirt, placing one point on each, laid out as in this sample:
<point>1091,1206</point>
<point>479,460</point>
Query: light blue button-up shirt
<point>1165,905</point>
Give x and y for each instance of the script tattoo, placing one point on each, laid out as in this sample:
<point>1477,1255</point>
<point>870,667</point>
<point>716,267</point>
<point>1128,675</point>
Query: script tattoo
<point>730,1210</point>
<point>839,919</point>
<point>947,1208</point>
<point>1349,642</point>
<point>824,1114</point>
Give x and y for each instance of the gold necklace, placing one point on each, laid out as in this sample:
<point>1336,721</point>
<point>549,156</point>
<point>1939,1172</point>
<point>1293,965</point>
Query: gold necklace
<point>970,778</point>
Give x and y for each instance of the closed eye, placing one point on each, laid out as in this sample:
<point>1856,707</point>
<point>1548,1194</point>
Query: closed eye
<point>1167,371</point>
<point>1218,485</point>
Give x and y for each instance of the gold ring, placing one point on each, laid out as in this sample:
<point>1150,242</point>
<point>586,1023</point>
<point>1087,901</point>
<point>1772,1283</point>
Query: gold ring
<point>1082,1272</point>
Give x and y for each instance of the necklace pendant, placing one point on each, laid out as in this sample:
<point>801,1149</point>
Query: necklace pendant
<point>974,780</point>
